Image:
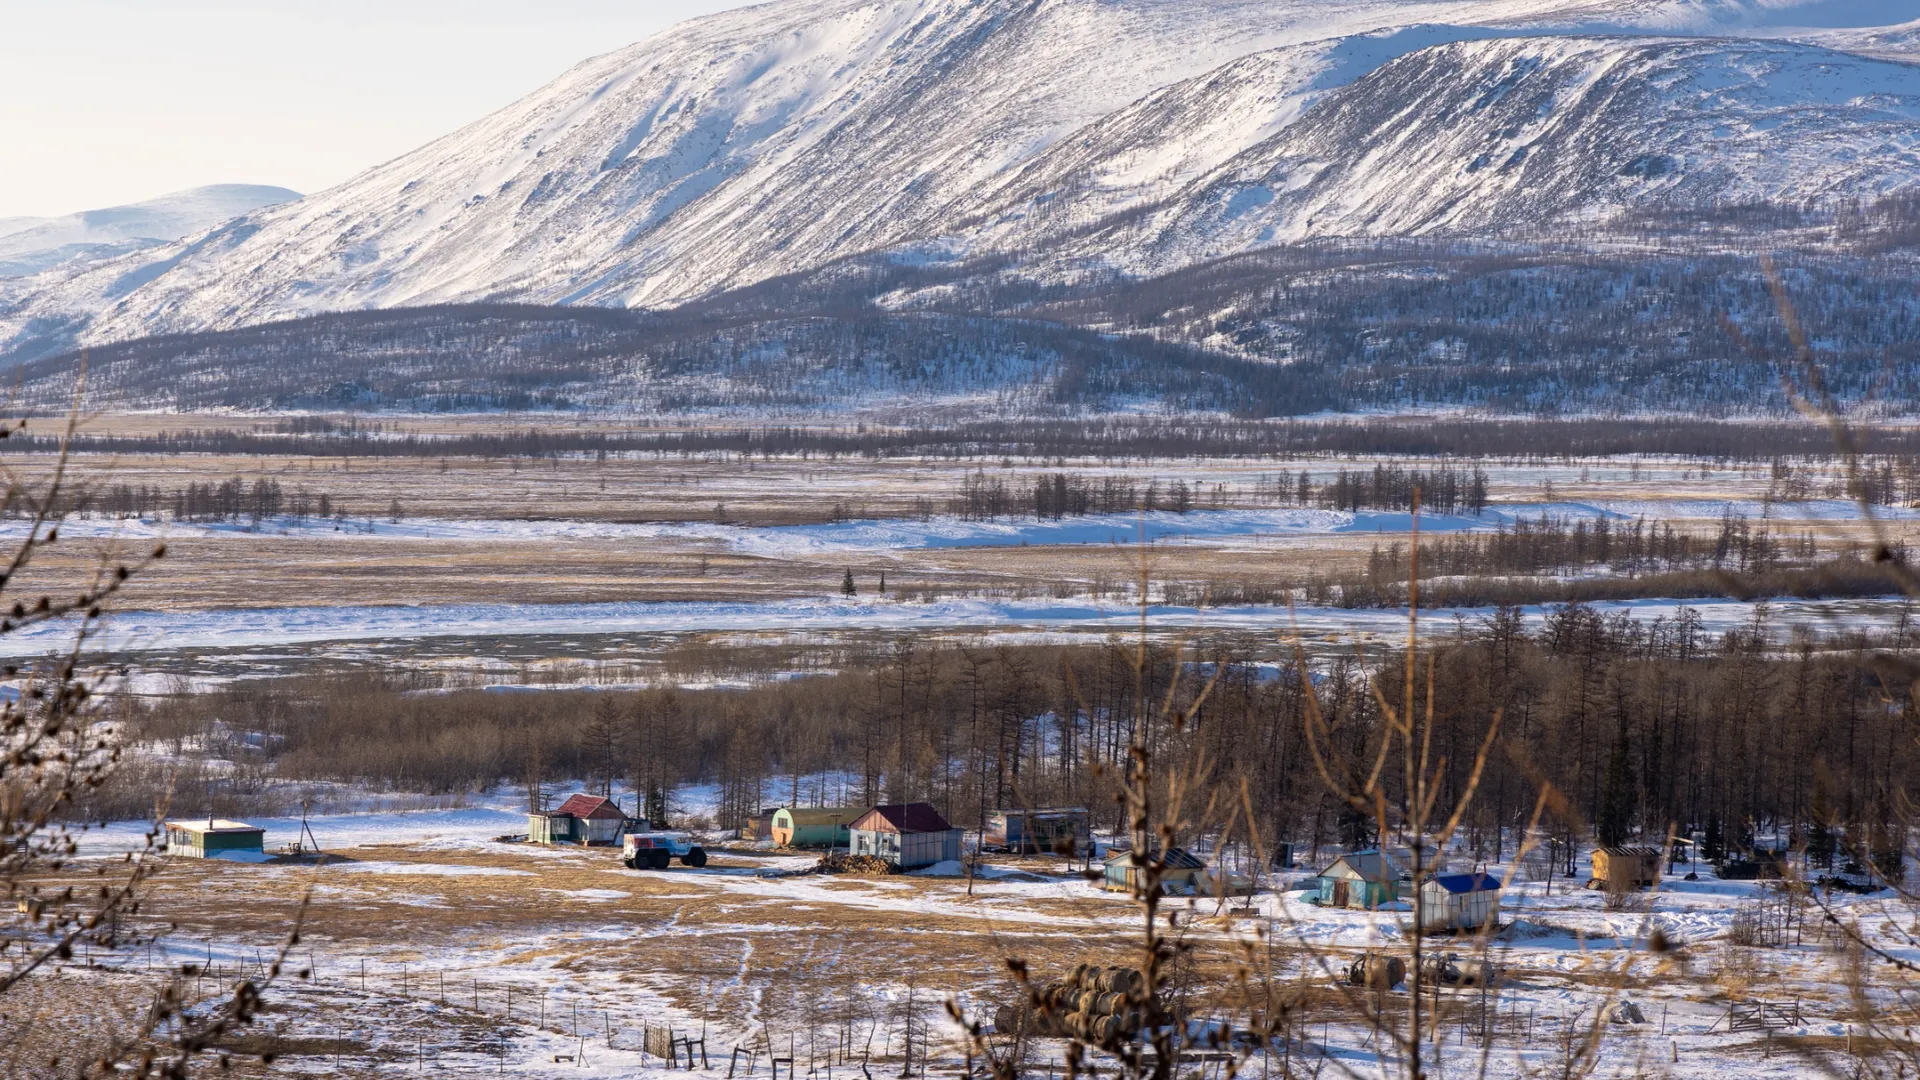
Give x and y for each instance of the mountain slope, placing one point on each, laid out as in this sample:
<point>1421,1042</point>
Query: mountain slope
<point>1501,135</point>
<point>764,140</point>
<point>778,139</point>
<point>30,245</point>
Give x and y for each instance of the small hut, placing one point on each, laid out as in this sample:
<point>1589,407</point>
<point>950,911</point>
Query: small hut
<point>1063,829</point>
<point>909,835</point>
<point>814,826</point>
<point>1624,868</point>
<point>1459,902</point>
<point>1359,879</point>
<point>758,826</point>
<point>1178,875</point>
<point>216,839</point>
<point>589,820</point>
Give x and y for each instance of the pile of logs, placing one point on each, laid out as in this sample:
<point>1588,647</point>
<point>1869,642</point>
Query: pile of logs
<point>1096,1005</point>
<point>842,863</point>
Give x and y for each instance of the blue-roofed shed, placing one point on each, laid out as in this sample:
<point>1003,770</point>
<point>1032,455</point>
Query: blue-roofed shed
<point>1460,901</point>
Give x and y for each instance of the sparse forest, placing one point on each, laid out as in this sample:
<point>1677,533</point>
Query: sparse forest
<point>1734,735</point>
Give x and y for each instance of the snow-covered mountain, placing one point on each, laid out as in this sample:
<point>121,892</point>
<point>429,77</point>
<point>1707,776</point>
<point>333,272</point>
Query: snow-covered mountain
<point>1128,134</point>
<point>1503,135</point>
<point>30,245</point>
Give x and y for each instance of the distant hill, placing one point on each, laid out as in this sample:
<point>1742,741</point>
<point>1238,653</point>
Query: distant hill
<point>30,245</point>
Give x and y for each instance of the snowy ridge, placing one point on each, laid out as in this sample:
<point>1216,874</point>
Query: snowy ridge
<point>1510,134</point>
<point>30,245</point>
<point>777,139</point>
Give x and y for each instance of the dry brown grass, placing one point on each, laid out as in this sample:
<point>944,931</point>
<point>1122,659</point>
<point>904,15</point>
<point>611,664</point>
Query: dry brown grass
<point>347,569</point>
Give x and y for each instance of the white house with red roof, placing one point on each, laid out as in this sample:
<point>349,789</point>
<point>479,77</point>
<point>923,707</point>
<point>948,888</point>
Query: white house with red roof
<point>907,834</point>
<point>590,820</point>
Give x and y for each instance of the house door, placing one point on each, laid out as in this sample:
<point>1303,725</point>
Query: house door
<point>1339,894</point>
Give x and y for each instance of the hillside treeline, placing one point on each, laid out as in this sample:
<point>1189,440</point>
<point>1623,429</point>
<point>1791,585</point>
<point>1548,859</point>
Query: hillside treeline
<point>1534,326</point>
<point>1642,723</point>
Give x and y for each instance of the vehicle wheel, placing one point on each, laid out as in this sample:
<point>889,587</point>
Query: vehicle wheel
<point>660,859</point>
<point>631,865</point>
<point>695,857</point>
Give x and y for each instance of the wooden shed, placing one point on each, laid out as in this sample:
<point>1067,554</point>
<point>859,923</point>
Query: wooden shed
<point>908,835</point>
<point>1179,874</point>
<point>215,839</point>
<point>1359,879</point>
<point>758,826</point>
<point>1460,902</point>
<point>1624,868</point>
<point>583,819</point>
<point>1058,829</point>
<point>814,826</point>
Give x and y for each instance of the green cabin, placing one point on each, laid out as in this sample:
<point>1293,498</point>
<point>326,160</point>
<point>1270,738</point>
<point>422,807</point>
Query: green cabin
<point>1178,875</point>
<point>1362,879</point>
<point>214,839</point>
<point>814,826</point>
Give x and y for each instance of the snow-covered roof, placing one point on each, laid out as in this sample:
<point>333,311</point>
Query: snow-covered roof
<point>213,825</point>
<point>1367,865</point>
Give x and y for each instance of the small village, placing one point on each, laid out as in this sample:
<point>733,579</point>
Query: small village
<point>1509,952</point>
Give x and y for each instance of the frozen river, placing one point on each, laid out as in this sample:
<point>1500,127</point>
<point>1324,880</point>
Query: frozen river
<point>143,632</point>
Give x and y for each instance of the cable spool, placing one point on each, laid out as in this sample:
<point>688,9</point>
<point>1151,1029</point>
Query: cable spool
<point>1377,972</point>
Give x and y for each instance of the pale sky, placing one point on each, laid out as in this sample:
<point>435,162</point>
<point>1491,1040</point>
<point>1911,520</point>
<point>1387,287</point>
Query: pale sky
<point>104,102</point>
